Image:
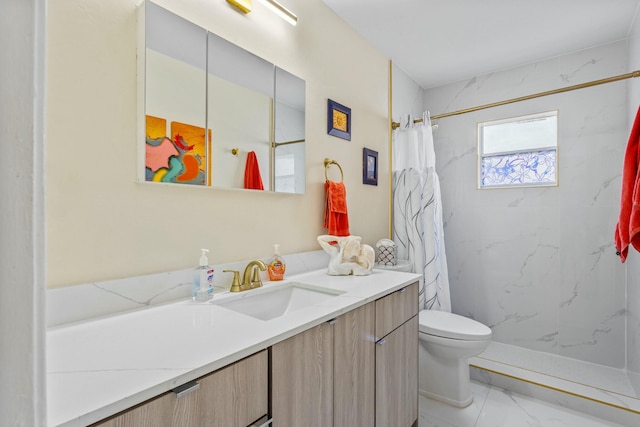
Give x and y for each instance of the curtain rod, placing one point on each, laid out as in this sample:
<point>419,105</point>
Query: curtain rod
<point>395,125</point>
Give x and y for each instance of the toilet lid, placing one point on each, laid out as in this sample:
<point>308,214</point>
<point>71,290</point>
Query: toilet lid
<point>450,325</point>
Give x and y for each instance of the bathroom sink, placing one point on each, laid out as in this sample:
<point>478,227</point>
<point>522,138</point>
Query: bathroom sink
<point>269,302</point>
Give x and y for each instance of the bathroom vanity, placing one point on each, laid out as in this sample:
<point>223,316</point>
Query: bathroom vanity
<point>346,360</point>
<point>232,396</point>
<point>337,374</point>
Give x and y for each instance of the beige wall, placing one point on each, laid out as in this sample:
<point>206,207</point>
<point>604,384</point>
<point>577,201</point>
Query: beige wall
<point>102,224</point>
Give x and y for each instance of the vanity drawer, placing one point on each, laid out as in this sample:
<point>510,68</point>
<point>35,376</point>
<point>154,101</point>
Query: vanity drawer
<point>234,396</point>
<point>395,309</point>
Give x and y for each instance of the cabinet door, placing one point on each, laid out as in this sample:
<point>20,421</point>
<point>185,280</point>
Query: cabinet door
<point>354,368</point>
<point>397,376</point>
<point>395,309</point>
<point>302,379</point>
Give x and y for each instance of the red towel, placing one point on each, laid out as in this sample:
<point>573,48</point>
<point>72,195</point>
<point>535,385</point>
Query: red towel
<point>628,227</point>
<point>252,177</point>
<point>336,219</point>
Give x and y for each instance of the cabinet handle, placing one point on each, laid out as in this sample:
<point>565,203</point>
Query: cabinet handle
<point>403,290</point>
<point>332,321</point>
<point>265,424</point>
<point>381,341</point>
<point>187,388</point>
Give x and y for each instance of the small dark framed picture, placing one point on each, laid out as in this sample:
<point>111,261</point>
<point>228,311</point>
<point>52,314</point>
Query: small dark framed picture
<point>338,120</point>
<point>369,167</point>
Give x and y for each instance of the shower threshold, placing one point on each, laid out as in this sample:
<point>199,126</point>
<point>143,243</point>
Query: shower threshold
<point>582,386</point>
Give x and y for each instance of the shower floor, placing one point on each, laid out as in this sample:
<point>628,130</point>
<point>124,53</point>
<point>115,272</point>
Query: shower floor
<point>613,387</point>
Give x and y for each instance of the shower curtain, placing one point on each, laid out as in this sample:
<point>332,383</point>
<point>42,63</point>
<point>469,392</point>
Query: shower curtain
<point>417,210</point>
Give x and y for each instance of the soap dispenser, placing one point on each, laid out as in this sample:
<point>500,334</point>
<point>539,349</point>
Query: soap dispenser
<point>276,266</point>
<point>203,279</point>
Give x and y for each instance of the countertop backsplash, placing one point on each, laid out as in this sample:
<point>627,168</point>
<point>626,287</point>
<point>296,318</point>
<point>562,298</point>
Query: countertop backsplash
<point>98,299</point>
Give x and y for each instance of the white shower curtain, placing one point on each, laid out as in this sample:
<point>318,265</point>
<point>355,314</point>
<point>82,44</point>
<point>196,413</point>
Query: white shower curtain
<point>417,210</point>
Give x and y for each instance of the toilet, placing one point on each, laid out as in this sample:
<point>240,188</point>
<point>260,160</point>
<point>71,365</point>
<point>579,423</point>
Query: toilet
<point>447,341</point>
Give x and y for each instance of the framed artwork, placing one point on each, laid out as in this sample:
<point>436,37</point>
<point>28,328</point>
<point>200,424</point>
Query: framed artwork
<point>338,120</point>
<point>369,167</point>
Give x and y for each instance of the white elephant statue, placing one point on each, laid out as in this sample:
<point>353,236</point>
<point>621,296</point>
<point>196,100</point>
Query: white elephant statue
<point>348,256</point>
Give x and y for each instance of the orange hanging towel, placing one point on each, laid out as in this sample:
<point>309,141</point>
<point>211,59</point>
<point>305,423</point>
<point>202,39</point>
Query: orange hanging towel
<point>336,218</point>
<point>252,177</point>
<point>628,227</point>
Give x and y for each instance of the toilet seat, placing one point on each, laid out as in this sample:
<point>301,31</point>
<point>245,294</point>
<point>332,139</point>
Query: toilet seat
<point>452,326</point>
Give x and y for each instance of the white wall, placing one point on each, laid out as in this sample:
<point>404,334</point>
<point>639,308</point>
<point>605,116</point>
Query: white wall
<point>102,224</point>
<point>633,261</point>
<point>22,260</point>
<point>538,264</point>
<point>408,96</point>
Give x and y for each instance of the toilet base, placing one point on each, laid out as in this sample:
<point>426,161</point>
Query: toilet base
<point>443,374</point>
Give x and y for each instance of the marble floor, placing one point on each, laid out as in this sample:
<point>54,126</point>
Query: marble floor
<point>493,407</point>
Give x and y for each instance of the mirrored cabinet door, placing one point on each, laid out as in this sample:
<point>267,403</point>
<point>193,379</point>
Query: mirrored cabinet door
<point>175,99</point>
<point>240,104</point>
<point>289,134</point>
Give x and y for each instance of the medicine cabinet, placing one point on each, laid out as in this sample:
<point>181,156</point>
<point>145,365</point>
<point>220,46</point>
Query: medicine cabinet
<point>205,104</point>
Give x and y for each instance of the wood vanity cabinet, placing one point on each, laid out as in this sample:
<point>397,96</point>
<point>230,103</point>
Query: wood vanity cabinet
<point>236,395</point>
<point>360,369</point>
<point>397,358</point>
<point>153,413</point>
<point>325,376</point>
<point>302,379</point>
<point>340,374</point>
<point>354,368</point>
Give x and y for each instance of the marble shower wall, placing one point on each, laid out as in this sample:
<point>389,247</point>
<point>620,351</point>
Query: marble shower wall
<point>633,262</point>
<point>538,265</point>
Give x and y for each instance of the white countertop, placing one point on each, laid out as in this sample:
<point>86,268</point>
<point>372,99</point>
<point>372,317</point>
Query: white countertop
<point>100,367</point>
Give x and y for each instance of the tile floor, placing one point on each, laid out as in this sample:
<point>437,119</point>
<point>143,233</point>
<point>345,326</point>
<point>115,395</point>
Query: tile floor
<point>493,407</point>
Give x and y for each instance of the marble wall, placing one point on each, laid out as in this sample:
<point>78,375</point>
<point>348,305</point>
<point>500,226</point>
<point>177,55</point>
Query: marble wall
<point>538,265</point>
<point>633,261</point>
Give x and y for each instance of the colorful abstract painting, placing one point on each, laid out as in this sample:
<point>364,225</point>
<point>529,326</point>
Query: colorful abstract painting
<point>180,157</point>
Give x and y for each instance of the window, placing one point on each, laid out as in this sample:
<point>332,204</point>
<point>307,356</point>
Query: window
<point>517,152</point>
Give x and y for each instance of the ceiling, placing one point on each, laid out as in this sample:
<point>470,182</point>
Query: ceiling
<point>442,41</point>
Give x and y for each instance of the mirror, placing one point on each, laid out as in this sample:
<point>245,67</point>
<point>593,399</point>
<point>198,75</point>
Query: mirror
<point>174,99</point>
<point>216,114</point>
<point>240,97</point>
<point>288,147</point>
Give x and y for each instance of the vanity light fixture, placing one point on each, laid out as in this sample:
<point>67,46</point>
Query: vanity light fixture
<point>281,11</point>
<point>277,8</point>
<point>243,5</point>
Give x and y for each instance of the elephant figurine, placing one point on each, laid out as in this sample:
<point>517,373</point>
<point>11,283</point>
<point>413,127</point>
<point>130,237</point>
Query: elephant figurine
<point>348,256</point>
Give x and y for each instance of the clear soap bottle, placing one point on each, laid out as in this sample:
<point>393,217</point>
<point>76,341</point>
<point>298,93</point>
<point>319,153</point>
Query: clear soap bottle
<point>203,279</point>
<point>276,266</point>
